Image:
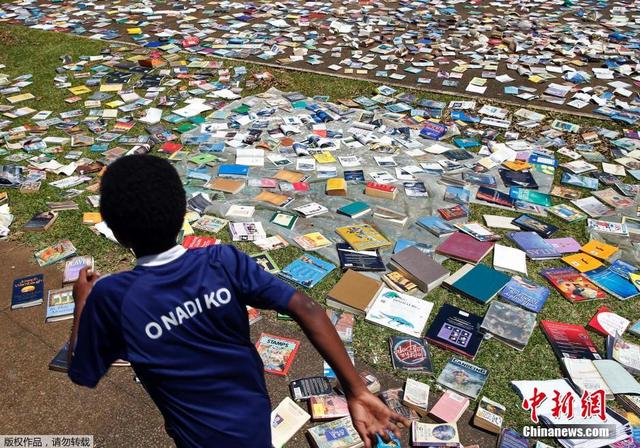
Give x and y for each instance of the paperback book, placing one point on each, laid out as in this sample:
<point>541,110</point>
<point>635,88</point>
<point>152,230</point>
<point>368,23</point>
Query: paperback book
<point>277,353</point>
<point>27,291</point>
<point>400,312</point>
<point>463,377</point>
<point>456,330</point>
<point>307,271</point>
<point>411,354</point>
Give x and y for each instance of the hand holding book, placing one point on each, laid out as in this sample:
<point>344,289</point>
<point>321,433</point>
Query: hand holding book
<point>81,289</point>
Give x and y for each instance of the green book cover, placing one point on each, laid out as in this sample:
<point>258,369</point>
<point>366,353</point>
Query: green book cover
<point>354,208</point>
<point>481,283</point>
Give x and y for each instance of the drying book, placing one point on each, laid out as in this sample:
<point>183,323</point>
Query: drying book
<point>463,247</point>
<point>359,260</point>
<point>277,353</point>
<point>314,386</point>
<point>420,268</point>
<point>434,435</point>
<point>353,293</point>
<point>286,420</point>
<point>569,340</point>
<point>509,324</point>
<point>411,354</point>
<point>416,396</point>
<point>450,407</point>
<point>525,293</point>
<point>573,285</point>
<point>362,237</point>
<point>328,407</point>
<point>489,415</point>
<point>456,330</point>
<point>608,323</point>
<point>60,304</point>
<point>536,247</point>
<point>436,225</point>
<point>616,285</point>
<point>307,271</point>
<point>480,282</point>
<point>73,266</point>
<point>27,291</point>
<point>335,434</point>
<point>530,224</point>
<point>463,377</point>
<point>393,399</point>
<point>400,312</point>
<point>40,222</point>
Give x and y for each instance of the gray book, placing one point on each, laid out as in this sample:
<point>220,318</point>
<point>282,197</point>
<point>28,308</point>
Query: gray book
<point>420,268</point>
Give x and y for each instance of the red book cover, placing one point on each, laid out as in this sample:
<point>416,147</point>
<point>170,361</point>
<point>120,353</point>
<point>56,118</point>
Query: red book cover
<point>170,147</point>
<point>381,187</point>
<point>195,242</point>
<point>277,353</point>
<point>569,340</point>
<point>461,246</point>
<point>608,323</point>
<point>573,285</point>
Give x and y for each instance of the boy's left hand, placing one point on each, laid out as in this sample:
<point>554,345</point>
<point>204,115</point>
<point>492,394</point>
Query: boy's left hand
<point>372,417</point>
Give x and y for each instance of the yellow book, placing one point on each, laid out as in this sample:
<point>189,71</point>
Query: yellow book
<point>134,30</point>
<point>635,279</point>
<point>517,165</point>
<point>324,157</point>
<point>599,249</point>
<point>312,241</point>
<point>111,87</point>
<point>362,237</point>
<point>186,228</point>
<point>79,90</point>
<point>289,176</point>
<point>91,218</point>
<point>336,186</point>
<point>21,97</point>
<point>582,262</point>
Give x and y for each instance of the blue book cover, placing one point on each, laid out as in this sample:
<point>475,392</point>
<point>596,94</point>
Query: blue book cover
<point>436,225</point>
<point>354,209</point>
<point>481,283</point>
<point>611,282</point>
<point>403,244</point>
<point>510,438</point>
<point>60,304</point>
<point>233,170</point>
<point>27,291</point>
<point>525,293</point>
<point>534,245</point>
<point>307,271</point>
<point>622,268</point>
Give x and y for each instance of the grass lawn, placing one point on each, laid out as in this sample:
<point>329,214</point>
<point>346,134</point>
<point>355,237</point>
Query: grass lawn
<point>29,51</point>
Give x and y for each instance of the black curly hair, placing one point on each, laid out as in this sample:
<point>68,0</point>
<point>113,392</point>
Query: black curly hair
<point>143,202</point>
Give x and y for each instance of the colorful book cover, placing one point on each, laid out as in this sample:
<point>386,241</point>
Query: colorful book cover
<point>328,407</point>
<point>436,225</point>
<point>582,262</point>
<point>277,353</point>
<point>525,194</point>
<point>60,304</point>
<point>400,312</point>
<point>56,252</point>
<point>525,293</point>
<point>409,353</point>
<point>569,340</point>
<point>73,266</point>
<point>457,330</point>
<point>307,271</point>
<point>264,260</point>
<point>573,285</point>
<point>27,291</point>
<point>534,245</point>
<point>335,434</point>
<point>362,237</point>
<point>614,284</point>
<point>463,377</point>
<point>343,323</point>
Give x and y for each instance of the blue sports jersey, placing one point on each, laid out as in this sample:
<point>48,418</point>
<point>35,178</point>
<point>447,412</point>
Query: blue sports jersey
<point>180,319</point>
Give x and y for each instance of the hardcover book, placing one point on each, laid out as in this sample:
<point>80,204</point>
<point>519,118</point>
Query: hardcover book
<point>400,312</point>
<point>277,353</point>
<point>534,245</point>
<point>410,353</point>
<point>463,377</point>
<point>480,283</point>
<point>355,209</point>
<point>436,225</point>
<point>27,291</point>
<point>353,293</point>
<point>419,268</point>
<point>456,330</point>
<point>530,224</point>
<point>359,260</point>
<point>463,247</point>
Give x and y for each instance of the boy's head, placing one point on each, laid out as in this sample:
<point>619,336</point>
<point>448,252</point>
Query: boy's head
<point>143,203</point>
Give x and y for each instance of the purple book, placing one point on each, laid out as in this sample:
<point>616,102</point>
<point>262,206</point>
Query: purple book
<point>566,245</point>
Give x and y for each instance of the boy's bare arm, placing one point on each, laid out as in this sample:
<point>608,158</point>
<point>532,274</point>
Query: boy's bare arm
<point>369,414</point>
<point>81,290</point>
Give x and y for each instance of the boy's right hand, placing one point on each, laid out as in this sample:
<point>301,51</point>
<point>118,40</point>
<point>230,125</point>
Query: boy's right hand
<point>83,286</point>
<point>371,417</point>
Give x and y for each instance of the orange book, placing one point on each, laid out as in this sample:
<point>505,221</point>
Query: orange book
<point>599,249</point>
<point>582,262</point>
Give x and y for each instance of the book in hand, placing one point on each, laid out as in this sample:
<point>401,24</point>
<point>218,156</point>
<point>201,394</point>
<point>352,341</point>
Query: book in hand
<point>416,396</point>
<point>449,407</point>
<point>536,247</point>
<point>434,435</point>
<point>362,237</point>
<point>286,420</point>
<point>73,266</point>
<point>569,340</point>
<point>313,386</point>
<point>573,285</point>
<point>40,222</point>
<point>463,377</point>
<point>480,282</point>
<point>419,268</point>
<point>27,291</point>
<point>60,304</point>
<point>489,415</point>
<point>307,271</point>
<point>353,293</point>
<point>359,260</point>
<point>400,312</point>
<point>525,293</point>
<point>393,399</point>
<point>509,324</point>
<point>463,247</point>
<point>328,407</point>
<point>277,353</point>
<point>456,330</point>
<point>335,434</point>
<point>410,354</point>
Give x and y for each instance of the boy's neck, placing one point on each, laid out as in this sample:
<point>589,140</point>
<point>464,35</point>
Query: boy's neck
<point>158,249</point>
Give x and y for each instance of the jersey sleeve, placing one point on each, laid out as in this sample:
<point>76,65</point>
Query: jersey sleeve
<point>255,286</point>
<point>100,340</point>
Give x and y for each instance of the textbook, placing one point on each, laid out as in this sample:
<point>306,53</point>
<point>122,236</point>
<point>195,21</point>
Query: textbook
<point>433,435</point>
<point>286,420</point>
<point>335,434</point>
<point>353,293</point>
<point>60,304</point>
<point>564,245</point>
<point>573,285</point>
<point>307,271</point>
<point>509,324</point>
<point>277,353</point>
<point>410,354</point>
<point>314,386</point>
<point>27,291</point>
<point>480,283</point>
<point>534,245</point>
<point>40,222</point>
<point>73,266</point>
<point>449,407</point>
<point>400,312</point>
<point>489,415</point>
<point>328,407</point>
<point>463,247</point>
<point>598,249</point>
<point>365,260</point>
<point>355,209</point>
<point>474,377</point>
<point>456,330</point>
<point>582,262</point>
<point>416,396</point>
<point>362,237</point>
<point>419,268</point>
<point>525,293</point>
<point>569,340</point>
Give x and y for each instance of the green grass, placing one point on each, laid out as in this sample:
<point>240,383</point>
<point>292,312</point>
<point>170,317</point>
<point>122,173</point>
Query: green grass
<point>29,51</point>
